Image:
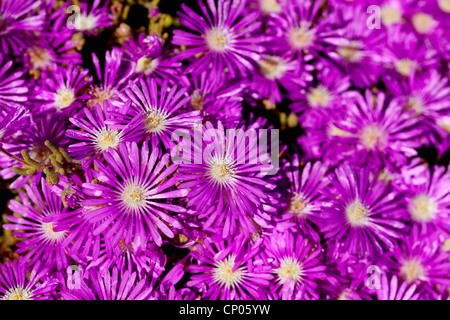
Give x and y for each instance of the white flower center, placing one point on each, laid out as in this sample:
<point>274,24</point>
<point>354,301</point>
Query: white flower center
<point>357,214</point>
<point>155,121</point>
<point>273,67</point>
<point>301,37</point>
<point>107,138</point>
<point>224,275</point>
<point>146,65</point>
<point>416,104</point>
<point>85,22</point>
<point>134,196</point>
<point>218,39</point>
<point>64,97</point>
<point>423,23</point>
<point>289,268</point>
<point>18,293</point>
<point>40,58</point>
<point>47,229</point>
<point>412,270</point>
<point>319,96</point>
<point>269,6</point>
<point>444,5</point>
<point>371,136</point>
<point>222,170</point>
<point>422,208</point>
<point>351,52</point>
<point>99,95</point>
<point>390,15</point>
<point>405,66</point>
<point>298,205</point>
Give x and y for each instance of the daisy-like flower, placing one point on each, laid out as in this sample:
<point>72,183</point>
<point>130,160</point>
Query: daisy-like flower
<point>304,200</point>
<point>42,240</point>
<point>95,134</point>
<point>110,284</point>
<point>92,17</point>
<point>419,260</point>
<point>63,89</point>
<point>149,262</point>
<point>406,54</point>
<point>221,39</point>
<point>12,84</point>
<point>218,99</point>
<point>426,198</point>
<point>226,270</point>
<point>145,64</point>
<point>53,45</point>
<point>14,284</point>
<point>112,78</point>
<point>17,21</point>
<point>429,98</point>
<point>393,290</point>
<point>369,133</point>
<point>274,72</point>
<point>297,31</point>
<point>359,213</point>
<point>322,98</point>
<point>357,48</point>
<point>160,112</point>
<point>296,265</point>
<point>134,196</point>
<point>226,178</point>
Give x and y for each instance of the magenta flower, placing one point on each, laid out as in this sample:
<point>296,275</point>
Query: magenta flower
<point>222,37</point>
<point>12,84</point>
<point>227,270</point>
<point>133,196</point>
<point>14,284</point>
<point>393,290</point>
<point>296,265</point>
<point>361,212</point>
<point>42,240</point>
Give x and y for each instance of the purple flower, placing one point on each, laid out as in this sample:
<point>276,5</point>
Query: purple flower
<point>225,176</point>
<point>222,39</point>
<point>146,64</point>
<point>16,285</point>
<point>12,84</point>
<point>96,135</point>
<point>296,266</point>
<point>133,196</point>
<point>390,290</point>
<point>92,17</point>
<point>227,270</point>
<point>419,260</point>
<point>161,113</point>
<point>360,212</point>
<point>42,240</point>
<point>16,24</point>
<point>305,196</point>
<point>63,89</point>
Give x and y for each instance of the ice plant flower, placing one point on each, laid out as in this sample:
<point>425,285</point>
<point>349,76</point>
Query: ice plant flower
<point>133,197</point>
<point>296,265</point>
<point>161,113</point>
<point>361,212</point>
<point>92,17</point>
<point>42,240</point>
<point>226,270</point>
<point>304,200</point>
<point>14,284</point>
<point>228,183</point>
<point>63,89</point>
<point>395,290</point>
<point>221,38</point>
<point>16,23</point>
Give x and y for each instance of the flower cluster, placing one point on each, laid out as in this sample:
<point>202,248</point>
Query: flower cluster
<point>230,149</point>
